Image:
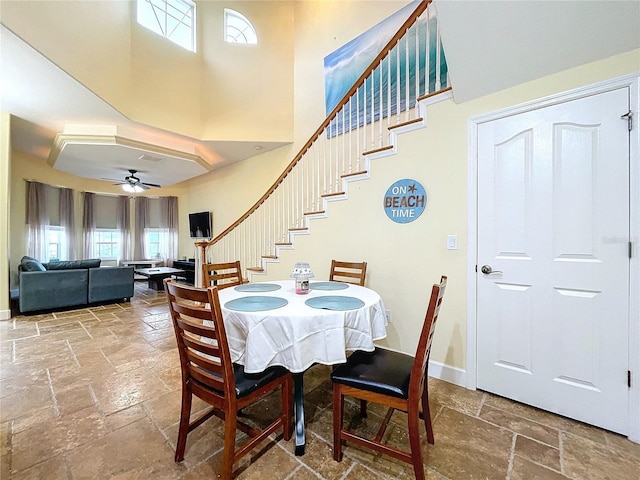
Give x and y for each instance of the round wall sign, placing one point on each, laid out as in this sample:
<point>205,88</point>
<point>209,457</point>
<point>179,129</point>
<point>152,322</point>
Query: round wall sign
<point>405,201</point>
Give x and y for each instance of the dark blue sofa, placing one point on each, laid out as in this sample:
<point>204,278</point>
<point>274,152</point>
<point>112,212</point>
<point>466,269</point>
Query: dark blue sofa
<point>55,285</point>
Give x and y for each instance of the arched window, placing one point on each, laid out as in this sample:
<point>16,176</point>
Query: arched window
<point>173,19</point>
<point>237,29</point>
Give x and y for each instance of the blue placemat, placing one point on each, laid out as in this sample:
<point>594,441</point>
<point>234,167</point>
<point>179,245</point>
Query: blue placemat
<point>331,302</point>
<point>255,303</point>
<point>328,286</point>
<point>257,287</point>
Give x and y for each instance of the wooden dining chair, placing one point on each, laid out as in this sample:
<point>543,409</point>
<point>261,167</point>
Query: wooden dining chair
<point>222,275</point>
<point>348,272</point>
<point>208,373</point>
<point>392,379</point>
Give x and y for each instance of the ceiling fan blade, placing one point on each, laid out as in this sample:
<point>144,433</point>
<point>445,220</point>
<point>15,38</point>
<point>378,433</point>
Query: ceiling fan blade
<point>120,182</point>
<point>133,181</point>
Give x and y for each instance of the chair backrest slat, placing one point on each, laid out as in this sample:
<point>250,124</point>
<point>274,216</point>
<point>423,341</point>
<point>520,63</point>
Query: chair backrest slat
<point>348,272</point>
<point>200,334</point>
<point>212,350</point>
<point>193,311</point>
<point>222,275</point>
<point>207,362</point>
<point>423,351</point>
<point>188,325</point>
<point>213,382</point>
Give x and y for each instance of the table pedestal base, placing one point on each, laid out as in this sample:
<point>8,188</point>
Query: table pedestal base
<point>298,405</point>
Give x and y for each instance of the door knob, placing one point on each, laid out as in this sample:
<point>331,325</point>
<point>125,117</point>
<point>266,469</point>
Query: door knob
<point>486,269</point>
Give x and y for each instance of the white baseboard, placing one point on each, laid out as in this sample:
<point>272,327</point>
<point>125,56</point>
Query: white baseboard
<point>444,372</point>
<point>450,374</point>
<point>5,314</point>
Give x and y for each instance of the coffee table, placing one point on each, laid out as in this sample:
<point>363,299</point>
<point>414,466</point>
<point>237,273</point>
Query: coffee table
<point>157,275</point>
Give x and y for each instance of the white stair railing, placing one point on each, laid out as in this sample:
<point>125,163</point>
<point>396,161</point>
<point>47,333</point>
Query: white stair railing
<point>386,96</point>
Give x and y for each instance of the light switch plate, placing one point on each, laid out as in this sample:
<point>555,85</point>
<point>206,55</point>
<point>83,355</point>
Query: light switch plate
<point>452,242</point>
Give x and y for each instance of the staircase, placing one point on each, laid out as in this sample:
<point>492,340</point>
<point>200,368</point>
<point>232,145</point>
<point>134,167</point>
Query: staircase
<point>388,99</point>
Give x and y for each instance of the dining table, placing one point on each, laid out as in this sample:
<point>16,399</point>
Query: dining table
<point>269,324</point>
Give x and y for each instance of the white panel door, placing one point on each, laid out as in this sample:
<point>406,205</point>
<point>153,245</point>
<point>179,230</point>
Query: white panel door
<point>553,226</point>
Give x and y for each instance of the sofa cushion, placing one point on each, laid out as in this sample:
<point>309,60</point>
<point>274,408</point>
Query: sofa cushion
<point>52,290</point>
<point>30,264</point>
<point>69,264</point>
<point>110,283</point>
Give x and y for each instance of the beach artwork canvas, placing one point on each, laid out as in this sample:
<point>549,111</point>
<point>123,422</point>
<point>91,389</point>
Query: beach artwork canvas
<point>345,65</point>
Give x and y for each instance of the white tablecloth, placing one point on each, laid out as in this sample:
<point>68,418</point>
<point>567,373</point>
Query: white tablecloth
<point>296,335</point>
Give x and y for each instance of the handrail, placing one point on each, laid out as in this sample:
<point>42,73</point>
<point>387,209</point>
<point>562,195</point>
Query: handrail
<point>422,6</point>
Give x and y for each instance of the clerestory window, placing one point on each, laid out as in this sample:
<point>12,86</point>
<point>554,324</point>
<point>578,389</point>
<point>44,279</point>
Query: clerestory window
<point>237,29</point>
<point>173,19</point>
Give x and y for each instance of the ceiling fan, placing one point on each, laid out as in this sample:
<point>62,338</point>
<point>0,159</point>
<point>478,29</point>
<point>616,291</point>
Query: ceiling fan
<point>131,183</point>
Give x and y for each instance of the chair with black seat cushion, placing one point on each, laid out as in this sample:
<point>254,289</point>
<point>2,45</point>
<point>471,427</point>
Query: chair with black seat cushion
<point>208,373</point>
<point>392,379</point>
<point>222,275</point>
<point>348,272</point>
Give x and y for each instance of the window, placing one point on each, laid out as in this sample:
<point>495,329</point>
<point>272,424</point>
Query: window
<point>107,243</point>
<point>56,242</point>
<point>237,29</point>
<point>156,241</point>
<point>173,19</point>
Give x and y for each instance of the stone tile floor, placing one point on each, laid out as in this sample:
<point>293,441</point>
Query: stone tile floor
<point>94,393</point>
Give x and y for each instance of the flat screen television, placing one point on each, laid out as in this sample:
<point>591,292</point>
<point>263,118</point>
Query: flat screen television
<point>200,225</point>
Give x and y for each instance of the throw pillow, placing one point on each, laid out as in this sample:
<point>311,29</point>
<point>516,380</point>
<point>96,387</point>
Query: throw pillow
<point>29,264</point>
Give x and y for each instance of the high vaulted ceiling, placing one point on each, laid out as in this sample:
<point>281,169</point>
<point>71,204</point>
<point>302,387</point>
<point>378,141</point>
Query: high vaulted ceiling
<point>490,45</point>
<point>57,119</point>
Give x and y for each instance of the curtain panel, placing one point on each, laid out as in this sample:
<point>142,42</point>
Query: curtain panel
<point>124,226</point>
<point>141,221</point>
<point>36,220</point>
<point>169,221</point>
<point>88,225</point>
<point>68,222</point>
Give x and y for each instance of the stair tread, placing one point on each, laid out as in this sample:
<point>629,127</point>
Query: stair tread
<point>376,150</point>
<point>404,124</point>
<point>352,174</point>
<point>335,194</point>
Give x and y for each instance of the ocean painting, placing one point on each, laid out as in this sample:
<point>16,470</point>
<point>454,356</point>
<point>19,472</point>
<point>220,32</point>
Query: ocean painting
<point>344,66</point>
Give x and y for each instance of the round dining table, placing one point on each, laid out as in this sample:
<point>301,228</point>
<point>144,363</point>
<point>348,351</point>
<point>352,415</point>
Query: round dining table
<point>268,324</point>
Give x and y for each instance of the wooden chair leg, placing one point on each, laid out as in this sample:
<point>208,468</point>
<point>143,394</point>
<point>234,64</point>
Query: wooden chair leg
<point>413,418</point>
<point>183,429</point>
<point>230,426</point>
<point>426,413</point>
<point>287,407</point>
<point>363,408</point>
<point>338,407</point>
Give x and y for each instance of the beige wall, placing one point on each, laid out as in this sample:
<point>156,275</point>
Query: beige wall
<point>221,92</point>
<point>5,208</point>
<point>248,89</point>
<point>88,40</point>
<point>404,260</point>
